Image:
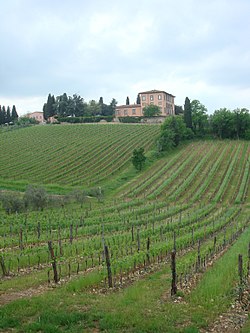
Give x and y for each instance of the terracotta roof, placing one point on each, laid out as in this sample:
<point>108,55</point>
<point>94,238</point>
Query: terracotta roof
<point>155,91</point>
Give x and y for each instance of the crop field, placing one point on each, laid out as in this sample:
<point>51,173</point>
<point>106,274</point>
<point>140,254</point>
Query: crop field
<point>79,155</point>
<point>113,259</point>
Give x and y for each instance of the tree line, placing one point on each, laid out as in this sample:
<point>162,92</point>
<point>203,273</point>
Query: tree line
<point>75,106</point>
<point>223,123</point>
<point>8,116</point>
<point>193,121</point>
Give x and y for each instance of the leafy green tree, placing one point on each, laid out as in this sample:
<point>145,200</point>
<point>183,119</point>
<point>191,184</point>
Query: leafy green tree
<point>173,131</point>
<point>151,110</point>
<point>70,107</point>
<point>106,110</point>
<point>178,109</point>
<point>188,113</point>
<point>227,124</point>
<point>14,115</point>
<point>241,123</point>
<point>127,100</point>
<point>138,158</point>
<point>93,108</point>
<point>222,123</point>
<point>62,105</point>
<point>12,203</point>
<point>112,106</point>
<point>79,105</point>
<point>199,117</point>
<point>80,196</point>
<point>26,121</point>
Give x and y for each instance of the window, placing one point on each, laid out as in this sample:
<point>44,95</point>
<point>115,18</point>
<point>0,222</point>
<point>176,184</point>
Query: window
<point>117,112</point>
<point>133,111</point>
<point>143,104</point>
<point>159,103</point>
<point>143,98</point>
<point>159,97</point>
<point>151,97</point>
<point>125,112</point>
<point>151,103</point>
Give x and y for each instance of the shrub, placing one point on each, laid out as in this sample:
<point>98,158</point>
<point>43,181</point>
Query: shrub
<point>35,197</point>
<point>12,203</point>
<point>130,119</point>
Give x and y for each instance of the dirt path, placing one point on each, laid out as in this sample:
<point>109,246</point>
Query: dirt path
<point>6,298</point>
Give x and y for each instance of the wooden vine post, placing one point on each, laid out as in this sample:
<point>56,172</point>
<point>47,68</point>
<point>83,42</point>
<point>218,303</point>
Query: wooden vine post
<point>108,266</point>
<point>71,233</point>
<point>248,263</point>
<point>199,255</point>
<point>2,263</point>
<point>174,239</point>
<point>56,279</point>
<point>38,230</point>
<point>138,240</point>
<point>148,246</point>
<point>21,239</point>
<point>174,276</point>
<point>240,270</point>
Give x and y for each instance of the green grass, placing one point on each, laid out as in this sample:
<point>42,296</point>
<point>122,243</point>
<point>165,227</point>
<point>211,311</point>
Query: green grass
<point>246,327</point>
<point>217,288</point>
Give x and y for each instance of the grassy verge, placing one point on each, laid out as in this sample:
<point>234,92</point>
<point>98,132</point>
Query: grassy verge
<point>217,289</point>
<point>246,328</point>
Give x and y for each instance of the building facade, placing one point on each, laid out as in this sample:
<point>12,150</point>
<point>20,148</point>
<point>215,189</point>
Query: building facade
<point>37,115</point>
<point>162,99</point>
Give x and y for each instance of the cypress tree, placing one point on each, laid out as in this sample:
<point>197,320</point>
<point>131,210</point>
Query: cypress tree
<point>127,100</point>
<point>8,116</point>
<point>102,106</point>
<point>1,116</point>
<point>188,113</point>
<point>4,116</point>
<point>14,115</point>
<point>49,107</point>
<point>138,100</point>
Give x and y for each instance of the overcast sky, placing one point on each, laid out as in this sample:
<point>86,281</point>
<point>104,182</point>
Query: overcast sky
<point>113,48</point>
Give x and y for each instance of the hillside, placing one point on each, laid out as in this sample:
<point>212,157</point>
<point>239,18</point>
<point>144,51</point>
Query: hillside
<point>204,171</point>
<point>70,155</point>
<point>194,199</point>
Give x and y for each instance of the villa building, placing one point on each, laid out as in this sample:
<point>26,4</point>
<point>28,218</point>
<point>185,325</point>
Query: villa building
<point>164,100</point>
<point>37,115</point>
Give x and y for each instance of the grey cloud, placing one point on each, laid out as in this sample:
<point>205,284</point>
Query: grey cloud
<point>100,47</point>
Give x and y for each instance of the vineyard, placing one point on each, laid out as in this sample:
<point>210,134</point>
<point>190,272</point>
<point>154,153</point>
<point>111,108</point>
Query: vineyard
<point>95,259</point>
<point>78,155</point>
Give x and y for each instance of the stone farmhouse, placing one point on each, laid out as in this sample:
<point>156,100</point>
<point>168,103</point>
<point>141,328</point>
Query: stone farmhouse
<point>164,100</point>
<point>37,115</point>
